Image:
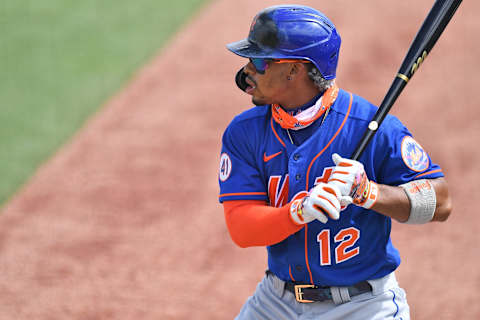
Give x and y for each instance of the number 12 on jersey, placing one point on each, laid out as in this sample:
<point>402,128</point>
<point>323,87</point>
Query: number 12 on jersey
<point>344,250</point>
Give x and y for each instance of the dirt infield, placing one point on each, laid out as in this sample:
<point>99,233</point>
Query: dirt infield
<point>124,223</point>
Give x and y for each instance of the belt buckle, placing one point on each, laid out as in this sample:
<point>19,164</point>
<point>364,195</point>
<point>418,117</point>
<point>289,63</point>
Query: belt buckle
<point>299,293</point>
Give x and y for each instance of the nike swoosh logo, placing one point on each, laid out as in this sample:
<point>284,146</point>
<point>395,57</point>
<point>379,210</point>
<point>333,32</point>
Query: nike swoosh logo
<point>270,157</point>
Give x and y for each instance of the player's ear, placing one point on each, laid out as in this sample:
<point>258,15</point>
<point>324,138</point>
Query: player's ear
<point>292,71</point>
<point>301,67</point>
<point>297,69</point>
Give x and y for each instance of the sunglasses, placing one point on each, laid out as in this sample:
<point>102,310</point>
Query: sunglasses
<point>261,64</point>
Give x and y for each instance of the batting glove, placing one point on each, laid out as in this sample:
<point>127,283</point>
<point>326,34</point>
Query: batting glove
<point>350,177</point>
<point>322,201</point>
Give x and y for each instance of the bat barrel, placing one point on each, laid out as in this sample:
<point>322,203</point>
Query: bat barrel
<point>431,29</point>
<point>428,34</point>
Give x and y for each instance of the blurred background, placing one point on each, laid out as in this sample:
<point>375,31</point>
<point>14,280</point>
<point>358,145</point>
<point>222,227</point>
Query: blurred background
<point>111,116</point>
<point>61,60</point>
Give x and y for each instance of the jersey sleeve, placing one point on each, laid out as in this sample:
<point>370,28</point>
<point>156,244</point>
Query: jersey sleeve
<point>400,158</point>
<point>239,176</point>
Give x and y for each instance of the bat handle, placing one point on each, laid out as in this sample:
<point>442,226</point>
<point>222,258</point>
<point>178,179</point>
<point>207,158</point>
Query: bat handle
<point>367,136</point>
<point>395,89</point>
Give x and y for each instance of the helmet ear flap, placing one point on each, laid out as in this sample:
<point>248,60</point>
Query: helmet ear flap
<point>240,80</point>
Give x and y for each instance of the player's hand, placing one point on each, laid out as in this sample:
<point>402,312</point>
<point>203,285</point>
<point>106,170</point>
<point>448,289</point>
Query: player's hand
<point>322,202</point>
<point>350,177</point>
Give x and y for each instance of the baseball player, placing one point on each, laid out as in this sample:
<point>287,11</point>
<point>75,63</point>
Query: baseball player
<point>286,181</point>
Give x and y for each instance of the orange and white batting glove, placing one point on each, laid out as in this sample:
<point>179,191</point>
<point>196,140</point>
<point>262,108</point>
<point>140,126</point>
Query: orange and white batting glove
<point>322,202</point>
<point>350,177</point>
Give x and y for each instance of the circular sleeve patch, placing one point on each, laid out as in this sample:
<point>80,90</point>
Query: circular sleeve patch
<point>225,167</point>
<point>413,155</point>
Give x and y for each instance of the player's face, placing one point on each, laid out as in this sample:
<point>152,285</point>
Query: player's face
<point>270,85</point>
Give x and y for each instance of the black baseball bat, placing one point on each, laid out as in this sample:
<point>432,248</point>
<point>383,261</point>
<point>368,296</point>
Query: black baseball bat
<point>431,29</point>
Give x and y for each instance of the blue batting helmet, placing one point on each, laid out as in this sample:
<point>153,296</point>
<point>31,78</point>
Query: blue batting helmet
<point>292,32</point>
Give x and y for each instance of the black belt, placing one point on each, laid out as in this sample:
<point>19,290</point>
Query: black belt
<point>311,293</point>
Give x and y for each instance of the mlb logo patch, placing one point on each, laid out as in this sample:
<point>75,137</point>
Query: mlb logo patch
<point>413,155</point>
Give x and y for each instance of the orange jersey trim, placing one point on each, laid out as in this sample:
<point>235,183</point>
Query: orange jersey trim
<point>253,223</point>
<point>306,255</point>
<point>290,273</point>
<point>243,194</point>
<point>331,140</point>
<point>275,132</point>
<point>308,174</point>
<point>428,172</point>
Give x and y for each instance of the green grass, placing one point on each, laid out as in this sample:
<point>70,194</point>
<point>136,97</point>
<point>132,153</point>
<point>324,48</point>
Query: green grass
<point>60,60</point>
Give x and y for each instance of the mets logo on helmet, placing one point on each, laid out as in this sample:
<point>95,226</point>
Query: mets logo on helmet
<point>413,155</point>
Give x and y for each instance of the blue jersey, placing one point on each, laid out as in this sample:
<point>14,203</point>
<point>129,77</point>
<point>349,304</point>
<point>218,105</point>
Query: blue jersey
<point>259,162</point>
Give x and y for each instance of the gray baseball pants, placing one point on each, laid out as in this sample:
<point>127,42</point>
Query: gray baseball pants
<point>272,302</point>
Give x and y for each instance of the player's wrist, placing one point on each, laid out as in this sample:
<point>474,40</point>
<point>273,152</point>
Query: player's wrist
<point>350,176</point>
<point>297,215</point>
<point>369,196</point>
